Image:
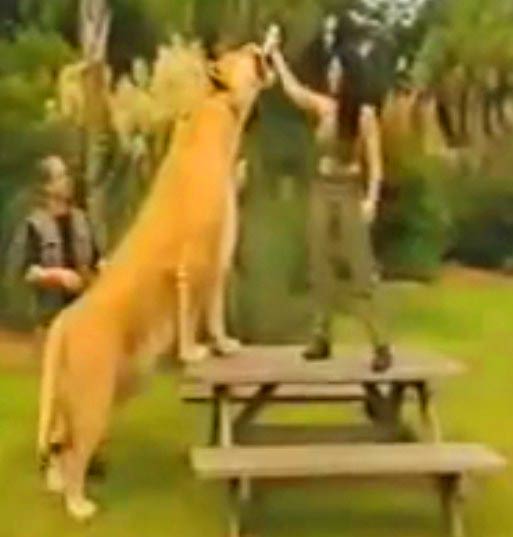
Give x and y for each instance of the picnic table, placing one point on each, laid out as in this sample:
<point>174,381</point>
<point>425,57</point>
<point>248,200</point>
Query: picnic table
<point>259,376</point>
<point>262,375</point>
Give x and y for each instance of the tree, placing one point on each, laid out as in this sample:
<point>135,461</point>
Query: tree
<point>465,57</point>
<point>94,27</point>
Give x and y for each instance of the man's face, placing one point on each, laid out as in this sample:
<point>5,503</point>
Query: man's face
<point>58,190</point>
<point>56,167</point>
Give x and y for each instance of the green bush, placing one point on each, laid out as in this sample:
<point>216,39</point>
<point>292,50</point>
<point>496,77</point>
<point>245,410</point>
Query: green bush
<point>413,229</point>
<point>481,203</point>
<point>33,52</point>
<point>270,292</point>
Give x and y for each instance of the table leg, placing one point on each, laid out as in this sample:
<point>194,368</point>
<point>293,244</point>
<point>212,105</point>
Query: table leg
<point>428,413</point>
<point>254,406</point>
<point>373,401</point>
<point>214,424</point>
<point>248,414</point>
<point>222,431</point>
<point>235,508</point>
<point>451,501</point>
<point>395,401</point>
<point>384,409</point>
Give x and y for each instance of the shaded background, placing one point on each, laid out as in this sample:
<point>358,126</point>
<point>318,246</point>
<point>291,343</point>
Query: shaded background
<point>456,206</point>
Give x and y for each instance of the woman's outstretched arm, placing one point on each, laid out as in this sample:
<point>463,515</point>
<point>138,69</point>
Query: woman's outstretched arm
<point>298,93</point>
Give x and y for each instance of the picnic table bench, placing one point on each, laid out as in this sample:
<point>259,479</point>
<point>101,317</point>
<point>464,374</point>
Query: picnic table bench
<point>446,464</point>
<point>259,376</point>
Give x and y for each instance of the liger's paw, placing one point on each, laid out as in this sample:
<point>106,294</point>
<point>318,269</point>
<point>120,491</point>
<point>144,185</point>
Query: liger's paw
<point>81,509</point>
<point>226,346</point>
<point>195,355</point>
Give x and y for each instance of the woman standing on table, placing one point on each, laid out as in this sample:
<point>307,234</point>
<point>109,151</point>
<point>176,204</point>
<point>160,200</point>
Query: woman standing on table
<point>347,189</point>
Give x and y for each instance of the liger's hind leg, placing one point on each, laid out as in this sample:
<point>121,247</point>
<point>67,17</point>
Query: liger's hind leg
<point>88,426</point>
<point>54,469</point>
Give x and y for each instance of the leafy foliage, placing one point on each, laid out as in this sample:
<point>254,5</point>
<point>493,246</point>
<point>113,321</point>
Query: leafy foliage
<point>413,231</point>
<point>427,215</point>
<point>481,202</point>
<point>474,33</point>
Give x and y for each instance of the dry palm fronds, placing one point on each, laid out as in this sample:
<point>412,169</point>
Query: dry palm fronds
<point>179,80</point>
<point>70,93</point>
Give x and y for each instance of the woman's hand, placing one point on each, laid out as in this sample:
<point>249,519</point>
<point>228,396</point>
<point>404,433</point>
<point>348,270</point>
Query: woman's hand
<point>369,209</point>
<point>299,94</point>
<point>373,157</point>
<point>272,40</point>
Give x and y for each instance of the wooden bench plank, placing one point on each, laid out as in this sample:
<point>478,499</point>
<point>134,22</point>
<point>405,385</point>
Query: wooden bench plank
<point>360,460</point>
<point>285,365</point>
<point>446,463</point>
<point>194,392</point>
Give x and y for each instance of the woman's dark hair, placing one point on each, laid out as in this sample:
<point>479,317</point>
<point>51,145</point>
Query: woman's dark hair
<point>366,79</point>
<point>312,65</point>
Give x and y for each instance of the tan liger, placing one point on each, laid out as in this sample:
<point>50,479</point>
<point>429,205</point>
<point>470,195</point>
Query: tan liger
<point>155,288</point>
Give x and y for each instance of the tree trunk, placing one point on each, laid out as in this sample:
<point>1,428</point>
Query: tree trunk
<point>190,16</point>
<point>94,30</point>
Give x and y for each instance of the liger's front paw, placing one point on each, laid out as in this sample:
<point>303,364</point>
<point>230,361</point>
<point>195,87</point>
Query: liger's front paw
<point>195,355</point>
<point>226,346</point>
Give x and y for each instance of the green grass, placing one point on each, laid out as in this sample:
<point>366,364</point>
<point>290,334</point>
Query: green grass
<point>151,492</point>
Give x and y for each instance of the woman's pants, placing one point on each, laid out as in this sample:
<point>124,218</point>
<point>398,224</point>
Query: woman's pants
<point>341,249</point>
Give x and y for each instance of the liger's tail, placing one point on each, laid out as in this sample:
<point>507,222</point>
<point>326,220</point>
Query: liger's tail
<point>53,349</point>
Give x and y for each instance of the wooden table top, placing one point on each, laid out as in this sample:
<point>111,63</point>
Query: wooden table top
<point>258,365</point>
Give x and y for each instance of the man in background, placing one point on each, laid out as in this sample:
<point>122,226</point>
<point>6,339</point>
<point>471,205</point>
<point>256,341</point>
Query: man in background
<point>61,256</point>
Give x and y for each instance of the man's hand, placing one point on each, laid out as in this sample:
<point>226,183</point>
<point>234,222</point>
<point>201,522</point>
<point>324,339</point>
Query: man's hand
<point>34,274</point>
<point>55,278</point>
<point>43,277</point>
<point>71,280</point>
